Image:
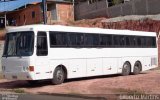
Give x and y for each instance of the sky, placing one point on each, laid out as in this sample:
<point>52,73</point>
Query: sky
<point>7,6</point>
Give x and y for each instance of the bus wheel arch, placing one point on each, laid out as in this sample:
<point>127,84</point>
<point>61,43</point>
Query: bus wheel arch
<point>59,75</point>
<point>126,70</point>
<point>137,67</point>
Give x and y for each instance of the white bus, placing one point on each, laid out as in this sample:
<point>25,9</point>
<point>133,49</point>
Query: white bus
<point>38,52</point>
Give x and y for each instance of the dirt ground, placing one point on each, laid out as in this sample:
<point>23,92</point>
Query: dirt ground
<point>145,83</point>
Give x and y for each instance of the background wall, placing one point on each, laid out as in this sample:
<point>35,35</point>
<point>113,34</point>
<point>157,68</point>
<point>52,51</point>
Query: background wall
<point>101,9</point>
<point>85,10</point>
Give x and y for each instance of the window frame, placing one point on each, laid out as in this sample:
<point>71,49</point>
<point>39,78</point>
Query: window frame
<point>46,43</point>
<point>77,35</point>
<point>91,45</point>
<point>55,33</point>
<point>132,39</point>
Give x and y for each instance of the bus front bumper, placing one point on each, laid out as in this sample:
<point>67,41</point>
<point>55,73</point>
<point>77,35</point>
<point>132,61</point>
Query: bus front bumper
<point>17,75</point>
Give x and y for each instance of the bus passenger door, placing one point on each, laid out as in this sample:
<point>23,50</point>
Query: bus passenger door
<point>42,63</point>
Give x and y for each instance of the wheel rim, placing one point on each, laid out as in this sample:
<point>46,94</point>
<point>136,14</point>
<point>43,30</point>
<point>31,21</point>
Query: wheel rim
<point>59,75</point>
<point>126,67</point>
<point>137,67</point>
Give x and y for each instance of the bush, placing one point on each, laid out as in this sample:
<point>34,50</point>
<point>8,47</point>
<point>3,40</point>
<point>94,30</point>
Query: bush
<point>115,2</point>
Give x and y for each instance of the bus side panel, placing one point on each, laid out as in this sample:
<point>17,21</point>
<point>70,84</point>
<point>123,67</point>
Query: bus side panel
<point>75,67</point>
<point>148,63</point>
<point>110,65</point>
<point>94,67</point>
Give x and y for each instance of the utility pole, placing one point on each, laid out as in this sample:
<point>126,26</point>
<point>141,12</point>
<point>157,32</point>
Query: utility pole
<point>73,10</point>
<point>5,19</point>
<point>44,11</point>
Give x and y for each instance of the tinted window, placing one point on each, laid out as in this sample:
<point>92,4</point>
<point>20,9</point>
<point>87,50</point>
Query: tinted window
<point>42,47</point>
<point>122,40</point>
<point>116,40</point>
<point>76,39</point>
<point>132,41</point>
<point>138,39</point>
<point>153,40</point>
<point>53,40</point>
<point>128,42</point>
<point>119,40</point>
<point>143,41</point>
<point>19,44</point>
<point>63,39</point>
<point>150,41</point>
<point>80,39</point>
<point>58,39</point>
<point>72,39</point>
<point>105,40</point>
<point>91,39</point>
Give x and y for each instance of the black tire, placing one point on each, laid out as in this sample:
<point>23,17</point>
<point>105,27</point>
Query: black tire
<point>58,76</point>
<point>126,70</point>
<point>137,68</point>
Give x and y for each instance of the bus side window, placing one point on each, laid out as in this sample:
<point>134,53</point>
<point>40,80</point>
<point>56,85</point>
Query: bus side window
<point>139,42</point>
<point>76,39</point>
<point>153,45</point>
<point>132,40</point>
<point>72,39</point>
<point>143,42</point>
<point>122,41</point>
<point>148,42</point>
<point>91,40</point>
<point>116,40</point>
<point>105,40</point>
<point>58,39</point>
<point>127,40</point>
<point>80,40</point>
<point>42,47</point>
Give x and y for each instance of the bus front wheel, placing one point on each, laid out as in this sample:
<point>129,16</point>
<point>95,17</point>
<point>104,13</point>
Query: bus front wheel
<point>58,76</point>
<point>126,69</point>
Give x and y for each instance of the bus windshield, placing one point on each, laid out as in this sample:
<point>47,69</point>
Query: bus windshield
<point>19,44</point>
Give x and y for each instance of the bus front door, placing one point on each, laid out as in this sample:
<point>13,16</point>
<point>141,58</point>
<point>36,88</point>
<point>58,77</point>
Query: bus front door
<point>42,63</point>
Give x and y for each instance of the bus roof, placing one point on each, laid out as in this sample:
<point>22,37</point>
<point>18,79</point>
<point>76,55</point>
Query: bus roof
<point>78,29</point>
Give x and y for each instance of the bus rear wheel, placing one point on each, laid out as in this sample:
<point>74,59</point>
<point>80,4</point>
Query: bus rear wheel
<point>126,69</point>
<point>58,76</point>
<point>137,68</point>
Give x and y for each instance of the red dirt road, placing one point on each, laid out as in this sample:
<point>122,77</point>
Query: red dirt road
<point>144,83</point>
